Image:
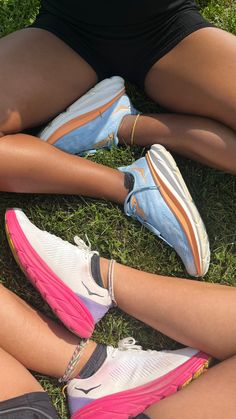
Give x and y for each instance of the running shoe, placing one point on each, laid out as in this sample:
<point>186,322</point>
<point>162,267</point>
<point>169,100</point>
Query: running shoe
<point>60,271</point>
<point>130,380</point>
<point>161,201</point>
<point>92,122</point>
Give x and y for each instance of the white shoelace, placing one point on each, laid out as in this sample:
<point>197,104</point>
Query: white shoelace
<point>83,246</point>
<point>128,344</point>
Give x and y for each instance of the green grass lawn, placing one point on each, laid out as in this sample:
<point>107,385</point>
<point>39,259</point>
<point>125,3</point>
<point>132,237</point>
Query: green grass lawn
<point>113,234</point>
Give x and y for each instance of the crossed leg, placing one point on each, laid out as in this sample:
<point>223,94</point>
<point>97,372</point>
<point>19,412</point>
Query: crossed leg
<point>193,313</point>
<point>198,78</point>
<point>196,314</point>
<point>32,92</point>
<point>40,76</point>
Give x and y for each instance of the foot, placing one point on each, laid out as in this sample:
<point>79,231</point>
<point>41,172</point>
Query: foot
<point>92,122</point>
<point>161,201</point>
<point>130,380</point>
<point>60,271</point>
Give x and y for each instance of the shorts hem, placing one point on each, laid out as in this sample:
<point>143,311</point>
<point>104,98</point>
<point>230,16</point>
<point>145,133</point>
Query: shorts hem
<point>169,47</point>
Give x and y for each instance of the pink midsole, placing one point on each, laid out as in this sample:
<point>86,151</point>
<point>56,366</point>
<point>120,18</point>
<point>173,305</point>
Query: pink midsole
<point>132,402</point>
<point>67,305</point>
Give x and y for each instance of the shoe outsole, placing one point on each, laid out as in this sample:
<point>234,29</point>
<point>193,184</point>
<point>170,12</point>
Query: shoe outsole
<point>130,403</point>
<point>84,110</point>
<point>175,193</point>
<point>63,301</point>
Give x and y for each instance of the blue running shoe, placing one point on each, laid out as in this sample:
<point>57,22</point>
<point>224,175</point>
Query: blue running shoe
<point>161,201</point>
<point>92,122</point>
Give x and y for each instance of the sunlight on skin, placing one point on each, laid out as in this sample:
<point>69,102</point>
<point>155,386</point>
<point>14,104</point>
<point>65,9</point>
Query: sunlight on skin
<point>11,123</point>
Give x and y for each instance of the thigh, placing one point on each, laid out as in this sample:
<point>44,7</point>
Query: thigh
<point>198,76</point>
<point>39,76</point>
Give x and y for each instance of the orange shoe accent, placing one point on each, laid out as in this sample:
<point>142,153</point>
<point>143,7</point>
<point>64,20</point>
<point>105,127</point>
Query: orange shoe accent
<point>121,108</point>
<point>179,212</point>
<point>140,170</point>
<point>139,210</point>
<point>81,120</point>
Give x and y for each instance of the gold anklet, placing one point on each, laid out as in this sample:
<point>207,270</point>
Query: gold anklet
<point>133,130</point>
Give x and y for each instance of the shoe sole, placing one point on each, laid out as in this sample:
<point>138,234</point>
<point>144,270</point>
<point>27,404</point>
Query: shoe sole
<point>130,403</point>
<point>176,195</point>
<point>63,301</point>
<point>84,110</point>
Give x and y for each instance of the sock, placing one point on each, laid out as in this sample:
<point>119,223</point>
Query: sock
<point>95,362</point>
<point>95,269</point>
<point>129,181</point>
<point>141,416</point>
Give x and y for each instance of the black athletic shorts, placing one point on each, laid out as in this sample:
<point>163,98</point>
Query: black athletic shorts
<point>30,406</point>
<point>125,50</point>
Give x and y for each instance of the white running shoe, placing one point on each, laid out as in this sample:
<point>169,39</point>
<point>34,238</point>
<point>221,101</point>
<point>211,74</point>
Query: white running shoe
<point>60,271</point>
<point>131,379</point>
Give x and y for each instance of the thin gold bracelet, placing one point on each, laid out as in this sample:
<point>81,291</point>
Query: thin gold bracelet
<point>133,130</point>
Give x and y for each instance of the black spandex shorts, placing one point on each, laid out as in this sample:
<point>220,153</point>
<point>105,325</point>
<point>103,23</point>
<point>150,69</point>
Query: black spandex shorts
<point>125,50</point>
<point>30,406</point>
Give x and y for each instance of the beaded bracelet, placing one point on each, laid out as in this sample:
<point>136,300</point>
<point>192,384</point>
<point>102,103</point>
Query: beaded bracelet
<point>74,361</point>
<point>110,281</point>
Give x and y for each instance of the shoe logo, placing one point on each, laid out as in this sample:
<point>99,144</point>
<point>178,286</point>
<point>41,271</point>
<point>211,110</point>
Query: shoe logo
<point>102,143</point>
<point>121,108</point>
<point>141,171</point>
<point>137,208</point>
<point>87,391</point>
<point>90,292</point>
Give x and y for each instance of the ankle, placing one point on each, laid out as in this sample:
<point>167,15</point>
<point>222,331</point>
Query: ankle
<point>86,355</point>
<point>104,264</point>
<point>125,129</point>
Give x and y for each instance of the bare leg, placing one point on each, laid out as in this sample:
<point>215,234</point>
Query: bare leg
<point>39,76</point>
<point>202,139</point>
<point>198,77</point>
<point>211,396</point>
<point>15,379</point>
<point>197,314</point>
<point>35,341</point>
<point>27,164</point>
<point>31,93</point>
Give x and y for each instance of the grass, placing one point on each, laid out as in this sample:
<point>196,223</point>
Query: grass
<point>109,230</point>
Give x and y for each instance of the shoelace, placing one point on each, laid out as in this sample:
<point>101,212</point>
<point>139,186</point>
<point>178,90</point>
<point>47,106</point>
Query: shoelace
<point>128,344</point>
<point>131,211</point>
<point>83,246</point>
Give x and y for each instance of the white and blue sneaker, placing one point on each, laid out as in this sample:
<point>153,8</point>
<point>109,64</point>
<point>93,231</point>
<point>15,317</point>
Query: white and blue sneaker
<point>92,122</point>
<point>161,201</point>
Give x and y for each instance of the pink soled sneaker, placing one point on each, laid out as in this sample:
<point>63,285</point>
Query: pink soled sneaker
<point>60,271</point>
<point>130,380</point>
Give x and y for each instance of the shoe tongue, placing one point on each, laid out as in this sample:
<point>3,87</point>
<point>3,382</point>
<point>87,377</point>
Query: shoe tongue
<point>95,269</point>
<point>95,362</point>
<point>129,181</point>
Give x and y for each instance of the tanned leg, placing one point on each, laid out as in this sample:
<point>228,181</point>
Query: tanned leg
<point>196,78</point>
<point>39,76</point>
<point>27,164</point>
<point>196,314</point>
<point>35,341</point>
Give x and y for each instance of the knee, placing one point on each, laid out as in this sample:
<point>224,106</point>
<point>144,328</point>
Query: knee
<point>226,114</point>
<point>10,121</point>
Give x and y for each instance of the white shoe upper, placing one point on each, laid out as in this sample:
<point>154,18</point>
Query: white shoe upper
<point>125,368</point>
<point>71,263</point>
